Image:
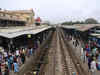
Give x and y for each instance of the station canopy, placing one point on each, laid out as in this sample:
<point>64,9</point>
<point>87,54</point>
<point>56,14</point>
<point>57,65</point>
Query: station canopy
<point>81,27</point>
<point>85,27</point>
<point>70,26</point>
<point>12,32</point>
<point>95,35</point>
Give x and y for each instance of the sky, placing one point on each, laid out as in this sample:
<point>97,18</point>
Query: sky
<point>57,11</point>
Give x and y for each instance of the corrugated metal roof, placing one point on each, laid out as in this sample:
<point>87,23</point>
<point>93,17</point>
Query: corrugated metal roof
<point>85,27</point>
<point>95,35</point>
<point>82,27</point>
<point>70,26</point>
<point>13,32</point>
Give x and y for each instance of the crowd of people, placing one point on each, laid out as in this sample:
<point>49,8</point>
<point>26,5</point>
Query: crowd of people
<point>11,61</point>
<point>90,52</point>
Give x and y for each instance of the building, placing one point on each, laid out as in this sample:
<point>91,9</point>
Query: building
<point>16,17</point>
<point>38,21</point>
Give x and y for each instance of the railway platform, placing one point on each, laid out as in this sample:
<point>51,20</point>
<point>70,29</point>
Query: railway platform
<point>78,52</point>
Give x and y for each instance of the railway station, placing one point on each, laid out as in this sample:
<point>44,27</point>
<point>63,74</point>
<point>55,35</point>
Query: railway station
<point>27,47</point>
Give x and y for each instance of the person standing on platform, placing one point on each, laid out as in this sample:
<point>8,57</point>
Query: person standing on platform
<point>0,57</point>
<point>89,62</point>
<point>93,66</point>
<point>17,53</point>
<point>22,57</point>
<point>16,67</point>
<point>9,63</point>
<point>5,55</point>
<point>98,62</point>
<point>6,70</point>
<point>0,69</point>
<point>19,60</point>
<point>30,51</point>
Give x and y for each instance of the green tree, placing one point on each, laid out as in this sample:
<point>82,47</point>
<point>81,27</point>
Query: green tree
<point>91,21</point>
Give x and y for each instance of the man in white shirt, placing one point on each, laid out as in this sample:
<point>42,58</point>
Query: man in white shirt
<point>17,53</point>
<point>93,67</point>
<point>82,55</point>
<point>5,55</point>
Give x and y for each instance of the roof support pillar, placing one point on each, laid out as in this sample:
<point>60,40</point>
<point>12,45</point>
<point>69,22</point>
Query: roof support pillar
<point>11,45</point>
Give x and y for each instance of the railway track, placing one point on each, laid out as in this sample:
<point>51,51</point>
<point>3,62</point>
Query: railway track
<point>54,66</point>
<point>51,59</point>
<point>68,66</point>
<point>72,64</point>
<point>60,60</point>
